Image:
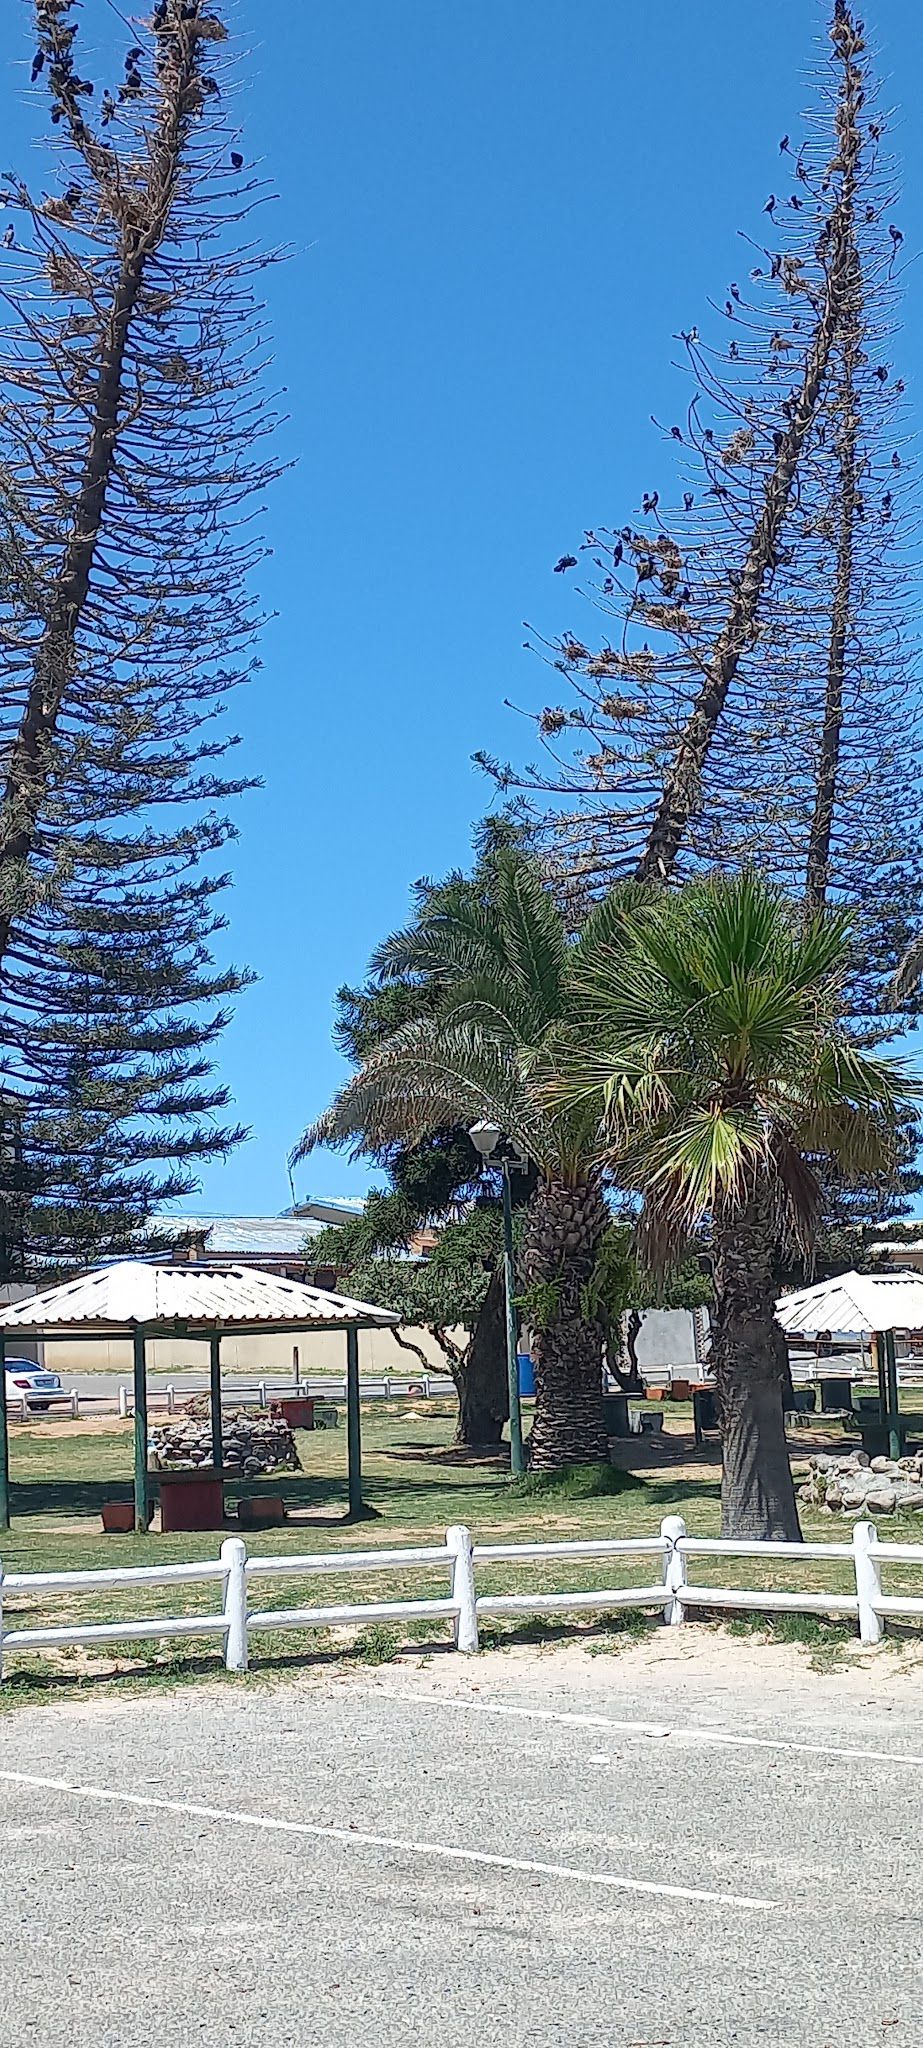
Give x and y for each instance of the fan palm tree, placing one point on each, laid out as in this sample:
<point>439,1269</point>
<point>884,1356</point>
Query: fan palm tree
<point>503,970</point>
<point>711,1050</point>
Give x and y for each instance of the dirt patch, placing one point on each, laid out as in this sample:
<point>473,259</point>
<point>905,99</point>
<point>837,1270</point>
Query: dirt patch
<point>42,1427</point>
<point>702,1664</point>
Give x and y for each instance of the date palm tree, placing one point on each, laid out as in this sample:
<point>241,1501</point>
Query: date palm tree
<point>503,969</point>
<point>709,1046</point>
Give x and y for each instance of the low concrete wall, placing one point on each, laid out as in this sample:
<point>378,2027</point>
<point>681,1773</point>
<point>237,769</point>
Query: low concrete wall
<point>270,1357</point>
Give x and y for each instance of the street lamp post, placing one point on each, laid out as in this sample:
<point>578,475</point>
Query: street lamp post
<point>492,1145</point>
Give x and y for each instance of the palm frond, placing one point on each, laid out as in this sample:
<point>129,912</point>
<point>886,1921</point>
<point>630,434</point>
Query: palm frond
<point>878,1083</point>
<point>319,1133</point>
<point>510,946</point>
<point>434,1072</point>
<point>534,939</point>
<point>709,1154</point>
<point>863,1146</point>
<point>800,1187</point>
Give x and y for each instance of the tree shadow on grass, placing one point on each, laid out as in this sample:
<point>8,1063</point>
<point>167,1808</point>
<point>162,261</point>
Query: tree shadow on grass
<point>76,1497</point>
<point>669,1490</point>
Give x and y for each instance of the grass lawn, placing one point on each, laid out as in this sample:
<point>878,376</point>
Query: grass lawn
<point>415,1487</point>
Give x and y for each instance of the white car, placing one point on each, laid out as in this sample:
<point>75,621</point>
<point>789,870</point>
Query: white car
<point>26,1381</point>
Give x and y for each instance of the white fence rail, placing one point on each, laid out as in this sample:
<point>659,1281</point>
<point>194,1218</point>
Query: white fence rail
<point>384,1387</point>
<point>427,1386</point>
<point>30,1405</point>
<point>669,1588</point>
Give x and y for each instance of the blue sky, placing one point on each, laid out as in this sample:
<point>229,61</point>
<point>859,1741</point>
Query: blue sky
<point>500,214</point>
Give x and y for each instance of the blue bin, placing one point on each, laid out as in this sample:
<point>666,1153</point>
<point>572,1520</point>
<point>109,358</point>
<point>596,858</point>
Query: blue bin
<point>526,1374</point>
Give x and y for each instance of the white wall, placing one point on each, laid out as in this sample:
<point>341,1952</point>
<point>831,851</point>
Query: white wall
<point>667,1340</point>
<point>320,1351</point>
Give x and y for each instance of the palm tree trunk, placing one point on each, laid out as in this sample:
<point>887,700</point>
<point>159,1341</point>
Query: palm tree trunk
<point>564,1229</point>
<point>750,1359</point>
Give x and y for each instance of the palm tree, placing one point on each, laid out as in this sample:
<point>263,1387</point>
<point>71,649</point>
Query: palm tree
<point>720,1073</point>
<point>503,967</point>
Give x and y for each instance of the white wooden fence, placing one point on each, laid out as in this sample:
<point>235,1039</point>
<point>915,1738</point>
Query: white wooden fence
<point>26,1407</point>
<point>431,1386</point>
<point>669,1587</point>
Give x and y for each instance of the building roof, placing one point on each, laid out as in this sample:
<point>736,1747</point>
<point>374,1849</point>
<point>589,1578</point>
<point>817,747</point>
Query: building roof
<point>277,1237</point>
<point>854,1304</point>
<point>135,1293</point>
<point>233,1236</point>
<point>329,1208</point>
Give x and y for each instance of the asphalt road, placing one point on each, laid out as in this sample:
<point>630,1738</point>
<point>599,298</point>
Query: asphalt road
<point>403,1860</point>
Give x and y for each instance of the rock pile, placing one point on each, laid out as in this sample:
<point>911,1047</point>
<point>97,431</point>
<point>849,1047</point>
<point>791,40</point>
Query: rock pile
<point>252,1444</point>
<point>862,1487</point>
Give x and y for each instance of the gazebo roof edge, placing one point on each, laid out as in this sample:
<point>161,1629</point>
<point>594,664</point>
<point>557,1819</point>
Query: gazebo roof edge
<point>171,1298</point>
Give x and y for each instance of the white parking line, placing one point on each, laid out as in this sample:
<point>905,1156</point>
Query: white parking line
<point>643,1730</point>
<point>357,1837</point>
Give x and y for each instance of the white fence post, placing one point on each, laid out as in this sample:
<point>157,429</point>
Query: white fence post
<point>261,1391</point>
<point>171,1398</point>
<point>868,1582</point>
<point>673,1529</point>
<point>234,1560</point>
<point>426,1386</point>
<point>75,1403</point>
<point>458,1541</point>
<point>387,1386</point>
<point>123,1400</point>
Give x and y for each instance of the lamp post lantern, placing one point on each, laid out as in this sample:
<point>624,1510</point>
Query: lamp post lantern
<point>492,1145</point>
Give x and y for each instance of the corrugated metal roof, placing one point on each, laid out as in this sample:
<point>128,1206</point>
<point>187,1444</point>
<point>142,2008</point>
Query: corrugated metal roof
<point>136,1291</point>
<point>854,1303</point>
<point>233,1236</point>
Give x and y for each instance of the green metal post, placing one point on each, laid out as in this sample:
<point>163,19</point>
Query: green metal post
<point>517,1460</point>
<point>4,1445</point>
<point>878,1341</point>
<point>353,1422</point>
<point>894,1432</point>
<point>214,1376</point>
<point>140,1378</point>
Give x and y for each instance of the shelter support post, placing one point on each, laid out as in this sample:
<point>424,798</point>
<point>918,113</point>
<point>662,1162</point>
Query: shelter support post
<point>214,1397</point>
<point>4,1445</point>
<point>140,1393</point>
<point>878,1352</point>
<point>353,1422</point>
<point>893,1408</point>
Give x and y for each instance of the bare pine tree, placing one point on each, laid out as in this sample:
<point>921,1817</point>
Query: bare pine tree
<point>754,693</point>
<point>133,428</point>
